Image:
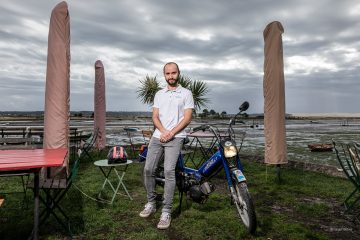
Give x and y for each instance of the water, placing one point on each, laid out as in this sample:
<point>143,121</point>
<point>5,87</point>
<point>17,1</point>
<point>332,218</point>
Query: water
<point>299,133</point>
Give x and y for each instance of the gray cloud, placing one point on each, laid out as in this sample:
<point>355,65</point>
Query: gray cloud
<point>219,42</point>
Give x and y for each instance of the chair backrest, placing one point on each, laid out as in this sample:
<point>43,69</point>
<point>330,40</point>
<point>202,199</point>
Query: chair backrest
<point>343,155</point>
<point>89,143</point>
<point>74,171</point>
<point>147,134</point>
<point>355,160</point>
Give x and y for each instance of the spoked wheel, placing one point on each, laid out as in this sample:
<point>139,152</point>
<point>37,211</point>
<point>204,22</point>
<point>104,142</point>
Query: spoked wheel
<point>245,206</point>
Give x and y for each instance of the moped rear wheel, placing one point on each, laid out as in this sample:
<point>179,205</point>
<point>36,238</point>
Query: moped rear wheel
<point>244,206</point>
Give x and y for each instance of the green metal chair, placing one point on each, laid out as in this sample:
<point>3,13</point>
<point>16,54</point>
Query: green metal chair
<point>55,189</point>
<point>87,146</point>
<point>347,156</point>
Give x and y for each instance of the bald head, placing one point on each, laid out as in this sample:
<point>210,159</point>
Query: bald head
<point>171,63</point>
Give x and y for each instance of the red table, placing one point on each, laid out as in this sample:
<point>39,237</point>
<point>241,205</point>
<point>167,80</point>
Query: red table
<point>31,161</point>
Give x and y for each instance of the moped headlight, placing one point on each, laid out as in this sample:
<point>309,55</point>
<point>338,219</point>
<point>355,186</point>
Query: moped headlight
<point>229,149</point>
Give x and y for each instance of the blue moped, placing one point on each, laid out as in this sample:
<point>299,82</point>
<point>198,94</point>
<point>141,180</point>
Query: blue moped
<point>195,183</point>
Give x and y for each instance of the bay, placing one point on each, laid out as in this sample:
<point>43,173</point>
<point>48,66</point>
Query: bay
<point>299,133</point>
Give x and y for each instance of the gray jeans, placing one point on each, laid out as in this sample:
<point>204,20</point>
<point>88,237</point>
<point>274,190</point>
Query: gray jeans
<point>155,150</point>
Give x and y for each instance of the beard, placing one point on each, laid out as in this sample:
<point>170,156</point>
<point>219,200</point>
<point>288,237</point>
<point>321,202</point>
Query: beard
<point>173,82</point>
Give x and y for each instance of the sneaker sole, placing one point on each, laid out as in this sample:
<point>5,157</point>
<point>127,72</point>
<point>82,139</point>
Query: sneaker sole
<point>163,227</point>
<point>145,216</point>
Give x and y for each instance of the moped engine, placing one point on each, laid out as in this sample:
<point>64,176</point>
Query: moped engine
<point>200,192</point>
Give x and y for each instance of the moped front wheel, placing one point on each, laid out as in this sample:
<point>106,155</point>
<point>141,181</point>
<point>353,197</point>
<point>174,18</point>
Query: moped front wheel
<point>244,206</point>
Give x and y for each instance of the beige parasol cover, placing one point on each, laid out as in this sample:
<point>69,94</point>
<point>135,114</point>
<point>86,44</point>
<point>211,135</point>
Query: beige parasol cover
<point>100,105</point>
<point>274,96</point>
<point>57,92</point>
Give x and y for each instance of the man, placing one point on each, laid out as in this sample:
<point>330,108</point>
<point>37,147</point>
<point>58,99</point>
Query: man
<point>172,111</point>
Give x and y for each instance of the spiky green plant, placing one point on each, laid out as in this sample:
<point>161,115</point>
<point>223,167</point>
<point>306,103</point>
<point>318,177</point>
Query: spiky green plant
<point>150,85</point>
<point>185,82</point>
<point>199,90</point>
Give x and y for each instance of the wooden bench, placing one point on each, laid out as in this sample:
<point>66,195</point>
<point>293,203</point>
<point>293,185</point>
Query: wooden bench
<point>27,143</point>
<point>6,141</point>
<point>13,132</point>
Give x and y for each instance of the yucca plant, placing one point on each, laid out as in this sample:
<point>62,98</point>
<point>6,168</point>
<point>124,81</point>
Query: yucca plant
<point>150,85</point>
<point>199,90</point>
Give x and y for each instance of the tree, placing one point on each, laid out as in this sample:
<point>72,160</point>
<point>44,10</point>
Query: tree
<point>150,85</point>
<point>212,112</point>
<point>223,113</point>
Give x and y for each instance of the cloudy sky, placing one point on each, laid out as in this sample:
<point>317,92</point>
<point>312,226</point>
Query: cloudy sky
<point>219,42</point>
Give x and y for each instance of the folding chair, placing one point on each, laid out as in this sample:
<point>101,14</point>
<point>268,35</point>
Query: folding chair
<point>147,134</point>
<point>348,158</point>
<point>134,143</point>
<point>86,146</point>
<point>55,189</point>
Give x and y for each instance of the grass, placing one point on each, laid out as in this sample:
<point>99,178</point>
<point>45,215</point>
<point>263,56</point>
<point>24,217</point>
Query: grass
<point>302,205</point>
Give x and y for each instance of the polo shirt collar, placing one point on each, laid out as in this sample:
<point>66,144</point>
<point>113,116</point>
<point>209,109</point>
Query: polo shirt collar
<point>178,89</point>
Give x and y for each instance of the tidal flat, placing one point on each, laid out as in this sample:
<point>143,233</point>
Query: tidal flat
<point>299,133</point>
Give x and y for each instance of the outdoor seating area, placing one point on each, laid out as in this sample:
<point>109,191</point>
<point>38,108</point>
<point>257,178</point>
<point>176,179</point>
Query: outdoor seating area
<point>100,192</point>
<point>92,218</point>
<point>109,131</point>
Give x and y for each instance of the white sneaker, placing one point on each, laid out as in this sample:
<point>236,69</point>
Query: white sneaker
<point>165,221</point>
<point>148,210</point>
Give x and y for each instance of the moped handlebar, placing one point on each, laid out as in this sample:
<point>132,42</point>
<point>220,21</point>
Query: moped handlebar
<point>244,106</point>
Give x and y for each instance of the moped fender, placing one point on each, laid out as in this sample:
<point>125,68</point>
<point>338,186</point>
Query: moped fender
<point>238,175</point>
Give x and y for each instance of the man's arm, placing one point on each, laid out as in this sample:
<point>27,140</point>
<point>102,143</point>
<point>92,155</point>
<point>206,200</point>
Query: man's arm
<point>182,124</point>
<point>156,120</point>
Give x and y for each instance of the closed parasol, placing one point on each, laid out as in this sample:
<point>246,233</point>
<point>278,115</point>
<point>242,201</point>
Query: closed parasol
<point>57,91</point>
<point>99,105</point>
<point>274,96</point>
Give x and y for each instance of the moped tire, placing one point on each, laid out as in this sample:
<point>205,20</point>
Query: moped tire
<point>244,206</point>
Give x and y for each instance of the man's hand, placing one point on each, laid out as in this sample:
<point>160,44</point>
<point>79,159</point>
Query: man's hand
<point>166,136</point>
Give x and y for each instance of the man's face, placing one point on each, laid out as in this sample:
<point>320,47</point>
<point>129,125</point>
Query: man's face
<point>171,74</point>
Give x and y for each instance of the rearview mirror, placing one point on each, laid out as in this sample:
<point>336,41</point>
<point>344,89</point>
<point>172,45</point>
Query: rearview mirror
<point>244,106</point>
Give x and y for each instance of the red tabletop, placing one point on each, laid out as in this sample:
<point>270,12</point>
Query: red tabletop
<point>31,158</point>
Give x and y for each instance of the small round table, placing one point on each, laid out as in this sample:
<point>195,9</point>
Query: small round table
<point>119,169</point>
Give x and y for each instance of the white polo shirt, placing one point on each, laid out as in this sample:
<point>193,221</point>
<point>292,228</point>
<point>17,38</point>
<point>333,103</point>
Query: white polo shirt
<point>172,105</point>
